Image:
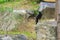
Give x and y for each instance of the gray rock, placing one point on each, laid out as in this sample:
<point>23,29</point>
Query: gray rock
<point>7,38</point>
<point>20,37</point>
<point>46,30</point>
<point>13,37</point>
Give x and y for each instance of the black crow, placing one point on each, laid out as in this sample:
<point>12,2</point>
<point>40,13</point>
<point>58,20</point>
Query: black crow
<point>38,17</point>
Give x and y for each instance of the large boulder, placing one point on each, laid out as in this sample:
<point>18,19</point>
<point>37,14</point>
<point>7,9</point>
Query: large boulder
<point>6,38</point>
<point>46,30</point>
<point>20,37</point>
<point>48,13</point>
<point>13,37</point>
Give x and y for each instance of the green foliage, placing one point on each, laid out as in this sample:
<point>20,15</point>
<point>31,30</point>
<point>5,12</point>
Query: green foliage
<point>35,12</point>
<point>31,35</point>
<point>35,1</point>
<point>3,9</point>
<point>3,1</point>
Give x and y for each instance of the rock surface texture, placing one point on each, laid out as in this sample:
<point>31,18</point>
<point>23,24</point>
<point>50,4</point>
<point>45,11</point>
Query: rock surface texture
<point>13,37</point>
<point>46,30</point>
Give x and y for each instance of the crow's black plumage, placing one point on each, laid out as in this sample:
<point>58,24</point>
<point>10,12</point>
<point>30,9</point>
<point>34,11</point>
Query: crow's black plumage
<point>38,17</point>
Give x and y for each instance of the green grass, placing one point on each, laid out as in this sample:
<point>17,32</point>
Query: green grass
<point>33,35</point>
<point>20,4</point>
<point>28,34</point>
<point>2,32</point>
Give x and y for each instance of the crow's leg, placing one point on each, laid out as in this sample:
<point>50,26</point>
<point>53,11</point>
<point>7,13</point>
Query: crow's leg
<point>36,20</point>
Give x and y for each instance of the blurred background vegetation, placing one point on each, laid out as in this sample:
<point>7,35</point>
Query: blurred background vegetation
<point>20,4</point>
<point>21,28</point>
